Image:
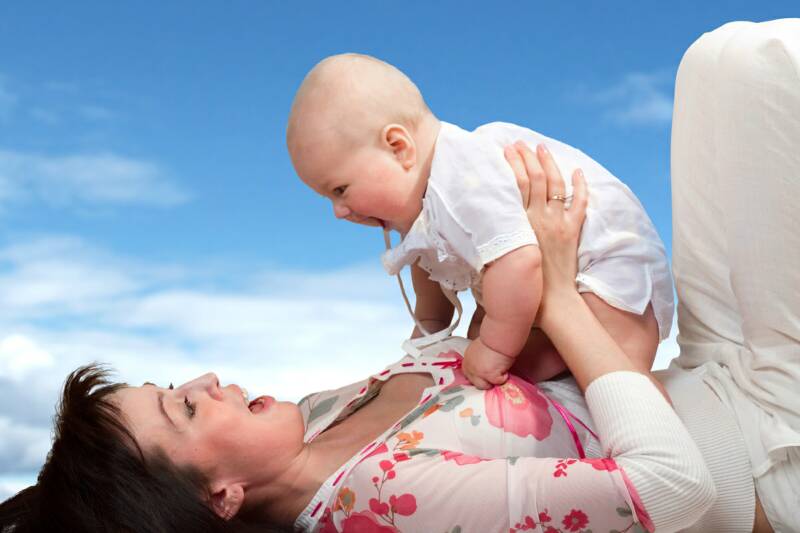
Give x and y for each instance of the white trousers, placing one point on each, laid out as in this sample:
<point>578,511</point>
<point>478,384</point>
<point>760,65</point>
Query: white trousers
<point>736,239</point>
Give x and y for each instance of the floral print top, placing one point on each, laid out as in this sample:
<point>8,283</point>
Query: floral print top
<point>468,460</point>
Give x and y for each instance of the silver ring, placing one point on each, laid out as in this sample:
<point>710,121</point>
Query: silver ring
<point>560,197</point>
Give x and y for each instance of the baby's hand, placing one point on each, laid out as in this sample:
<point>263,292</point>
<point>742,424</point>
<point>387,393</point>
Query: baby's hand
<point>485,367</point>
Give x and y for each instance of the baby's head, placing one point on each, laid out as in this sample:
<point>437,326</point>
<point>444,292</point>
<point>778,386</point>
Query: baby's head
<point>361,134</point>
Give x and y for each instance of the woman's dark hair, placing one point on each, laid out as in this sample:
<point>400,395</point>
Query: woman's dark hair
<point>97,478</point>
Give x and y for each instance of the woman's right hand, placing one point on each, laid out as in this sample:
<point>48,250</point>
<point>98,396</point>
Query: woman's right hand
<point>557,226</point>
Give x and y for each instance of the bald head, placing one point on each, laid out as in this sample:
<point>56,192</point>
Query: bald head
<point>349,98</point>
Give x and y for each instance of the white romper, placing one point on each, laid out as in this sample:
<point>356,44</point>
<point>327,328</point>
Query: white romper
<point>472,215</point>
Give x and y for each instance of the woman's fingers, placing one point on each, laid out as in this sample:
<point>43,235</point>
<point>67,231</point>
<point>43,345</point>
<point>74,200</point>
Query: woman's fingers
<point>555,183</point>
<point>580,197</point>
<point>518,167</point>
<point>536,175</point>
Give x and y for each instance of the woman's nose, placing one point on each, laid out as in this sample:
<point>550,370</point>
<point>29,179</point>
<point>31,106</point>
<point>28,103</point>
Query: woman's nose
<point>207,382</point>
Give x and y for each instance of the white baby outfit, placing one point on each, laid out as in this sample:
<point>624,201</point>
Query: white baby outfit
<point>472,215</point>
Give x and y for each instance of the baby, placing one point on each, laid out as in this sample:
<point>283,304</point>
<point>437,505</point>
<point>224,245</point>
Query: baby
<point>361,135</point>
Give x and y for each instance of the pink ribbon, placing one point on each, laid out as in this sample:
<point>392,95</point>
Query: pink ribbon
<point>568,417</point>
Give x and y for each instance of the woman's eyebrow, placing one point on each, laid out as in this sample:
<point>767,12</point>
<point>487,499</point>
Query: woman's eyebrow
<point>163,411</point>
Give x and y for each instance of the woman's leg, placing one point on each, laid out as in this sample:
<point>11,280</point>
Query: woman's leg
<point>736,236</point>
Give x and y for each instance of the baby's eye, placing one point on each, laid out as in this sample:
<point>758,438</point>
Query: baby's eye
<point>190,407</point>
<point>338,191</point>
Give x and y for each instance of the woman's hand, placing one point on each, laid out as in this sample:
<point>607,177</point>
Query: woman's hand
<point>555,219</point>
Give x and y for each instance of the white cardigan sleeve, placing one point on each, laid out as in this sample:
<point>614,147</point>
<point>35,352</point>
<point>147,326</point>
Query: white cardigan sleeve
<point>640,430</point>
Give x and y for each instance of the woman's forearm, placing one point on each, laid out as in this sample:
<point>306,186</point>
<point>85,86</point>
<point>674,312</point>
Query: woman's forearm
<point>586,347</point>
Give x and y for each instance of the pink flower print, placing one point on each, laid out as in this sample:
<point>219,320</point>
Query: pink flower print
<point>378,507</point>
<point>461,459</point>
<point>561,467</point>
<point>404,505</point>
<point>601,464</point>
<point>327,522</point>
<point>544,517</point>
<point>365,522</point>
<point>518,407</point>
<point>376,451</point>
<point>575,520</point>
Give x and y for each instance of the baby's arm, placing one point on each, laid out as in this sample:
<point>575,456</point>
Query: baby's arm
<point>433,310</point>
<point>512,288</point>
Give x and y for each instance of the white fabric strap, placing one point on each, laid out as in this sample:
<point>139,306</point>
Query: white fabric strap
<point>414,347</point>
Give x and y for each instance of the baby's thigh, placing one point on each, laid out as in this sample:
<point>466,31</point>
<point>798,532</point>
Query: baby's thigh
<point>637,335</point>
<point>539,360</point>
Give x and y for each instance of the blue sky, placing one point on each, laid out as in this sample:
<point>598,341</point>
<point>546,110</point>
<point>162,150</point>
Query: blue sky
<point>149,215</point>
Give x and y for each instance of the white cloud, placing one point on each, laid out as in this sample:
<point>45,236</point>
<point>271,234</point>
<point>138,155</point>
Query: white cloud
<point>85,180</point>
<point>638,99</point>
<point>19,356</point>
<point>22,447</point>
<point>10,485</point>
<point>60,276</point>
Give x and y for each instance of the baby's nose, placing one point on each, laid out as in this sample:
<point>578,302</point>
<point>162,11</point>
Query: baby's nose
<point>341,211</point>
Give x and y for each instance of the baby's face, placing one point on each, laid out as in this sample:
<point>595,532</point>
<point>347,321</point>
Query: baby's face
<point>366,186</point>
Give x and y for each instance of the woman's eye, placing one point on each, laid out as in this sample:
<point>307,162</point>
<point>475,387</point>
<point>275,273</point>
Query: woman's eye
<point>338,191</point>
<point>190,407</point>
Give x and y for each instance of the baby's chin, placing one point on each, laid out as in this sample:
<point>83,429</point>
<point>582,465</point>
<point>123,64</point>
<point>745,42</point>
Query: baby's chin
<point>370,221</point>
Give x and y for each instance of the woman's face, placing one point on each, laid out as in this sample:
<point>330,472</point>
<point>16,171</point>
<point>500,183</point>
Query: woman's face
<point>214,428</point>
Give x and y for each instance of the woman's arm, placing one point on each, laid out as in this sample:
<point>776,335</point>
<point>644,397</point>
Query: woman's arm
<point>626,341</point>
<point>636,426</point>
<point>586,347</point>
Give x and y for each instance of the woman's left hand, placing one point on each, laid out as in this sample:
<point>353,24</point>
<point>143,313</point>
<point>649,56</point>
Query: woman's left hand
<point>556,224</point>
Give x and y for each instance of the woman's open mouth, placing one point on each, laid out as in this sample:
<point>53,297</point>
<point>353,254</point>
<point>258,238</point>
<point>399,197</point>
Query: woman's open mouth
<point>262,403</point>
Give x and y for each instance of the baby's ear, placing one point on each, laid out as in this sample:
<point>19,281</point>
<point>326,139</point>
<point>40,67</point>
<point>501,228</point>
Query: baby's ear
<point>398,139</point>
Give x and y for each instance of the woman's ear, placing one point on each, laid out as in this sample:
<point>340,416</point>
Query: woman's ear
<point>398,139</point>
<point>227,499</point>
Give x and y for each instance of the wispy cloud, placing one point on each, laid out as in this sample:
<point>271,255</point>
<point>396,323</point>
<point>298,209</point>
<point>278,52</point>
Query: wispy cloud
<point>8,100</point>
<point>45,116</point>
<point>85,180</point>
<point>637,99</point>
<point>96,112</point>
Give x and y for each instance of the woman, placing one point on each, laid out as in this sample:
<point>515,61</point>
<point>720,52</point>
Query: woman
<point>458,459</point>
